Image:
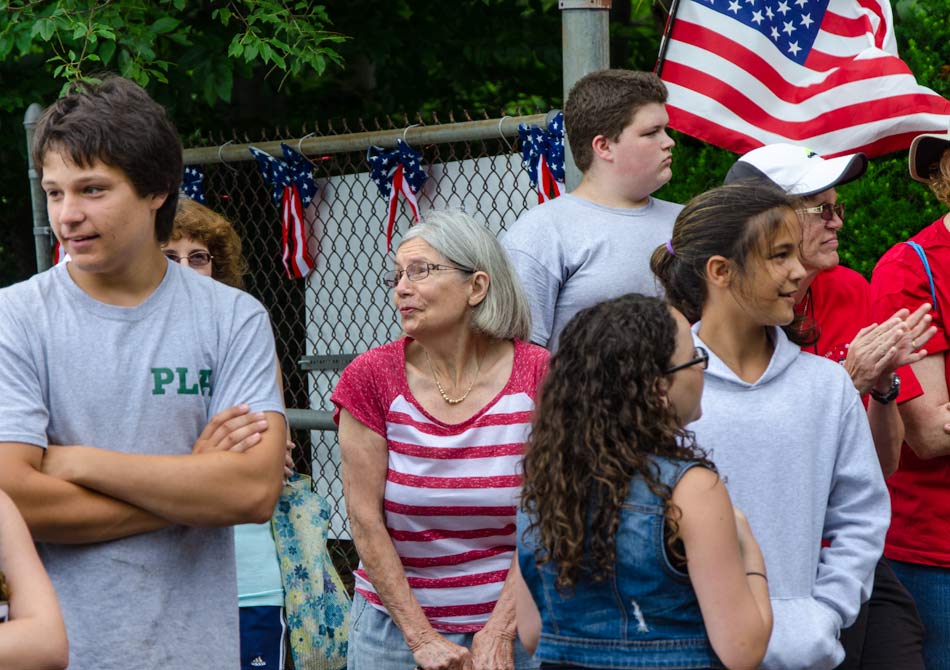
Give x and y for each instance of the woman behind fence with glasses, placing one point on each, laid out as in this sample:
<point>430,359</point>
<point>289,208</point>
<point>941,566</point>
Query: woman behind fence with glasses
<point>432,428</point>
<point>618,501</point>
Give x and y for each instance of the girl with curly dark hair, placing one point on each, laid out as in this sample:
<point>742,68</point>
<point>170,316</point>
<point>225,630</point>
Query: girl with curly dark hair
<point>628,544</point>
<point>786,428</point>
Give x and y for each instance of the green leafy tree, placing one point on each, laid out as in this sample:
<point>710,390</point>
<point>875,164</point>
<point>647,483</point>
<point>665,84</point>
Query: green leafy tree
<point>188,54</point>
<point>148,41</point>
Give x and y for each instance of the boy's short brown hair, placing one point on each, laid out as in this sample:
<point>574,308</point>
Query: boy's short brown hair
<point>116,122</point>
<point>603,103</point>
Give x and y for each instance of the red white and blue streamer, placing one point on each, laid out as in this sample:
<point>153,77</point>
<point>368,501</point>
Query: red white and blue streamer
<point>293,191</point>
<point>397,171</point>
<point>542,153</point>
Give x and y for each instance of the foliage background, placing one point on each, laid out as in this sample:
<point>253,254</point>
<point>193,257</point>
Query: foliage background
<point>252,64</point>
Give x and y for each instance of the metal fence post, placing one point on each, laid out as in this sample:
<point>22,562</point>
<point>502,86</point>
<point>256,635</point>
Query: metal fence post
<point>585,47</point>
<point>41,230</point>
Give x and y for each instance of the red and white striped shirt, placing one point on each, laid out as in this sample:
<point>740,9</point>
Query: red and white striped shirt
<point>452,489</point>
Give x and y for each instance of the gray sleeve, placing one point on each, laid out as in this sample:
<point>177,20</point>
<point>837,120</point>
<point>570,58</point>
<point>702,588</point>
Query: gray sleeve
<point>856,519</point>
<point>24,416</point>
<point>541,288</point>
<point>248,371</point>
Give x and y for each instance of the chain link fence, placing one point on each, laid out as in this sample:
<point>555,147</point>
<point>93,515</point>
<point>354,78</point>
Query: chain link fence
<point>341,309</point>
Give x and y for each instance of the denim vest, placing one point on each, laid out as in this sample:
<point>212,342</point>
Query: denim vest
<point>644,615</point>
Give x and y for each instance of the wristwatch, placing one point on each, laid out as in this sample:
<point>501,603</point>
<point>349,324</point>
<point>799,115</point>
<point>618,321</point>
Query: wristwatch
<point>891,393</point>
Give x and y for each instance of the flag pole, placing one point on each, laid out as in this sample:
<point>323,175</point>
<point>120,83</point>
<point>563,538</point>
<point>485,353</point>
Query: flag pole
<point>661,57</point>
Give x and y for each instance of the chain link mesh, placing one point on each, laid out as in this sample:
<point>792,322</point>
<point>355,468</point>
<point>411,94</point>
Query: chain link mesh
<point>342,308</point>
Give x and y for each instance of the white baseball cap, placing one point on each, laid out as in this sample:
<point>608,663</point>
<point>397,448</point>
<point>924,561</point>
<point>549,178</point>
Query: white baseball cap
<point>797,170</point>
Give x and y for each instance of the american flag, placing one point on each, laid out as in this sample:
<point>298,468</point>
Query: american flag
<point>743,73</point>
<point>397,171</point>
<point>294,189</point>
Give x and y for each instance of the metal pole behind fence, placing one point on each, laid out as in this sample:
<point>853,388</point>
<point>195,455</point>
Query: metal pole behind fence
<point>41,230</point>
<point>585,47</point>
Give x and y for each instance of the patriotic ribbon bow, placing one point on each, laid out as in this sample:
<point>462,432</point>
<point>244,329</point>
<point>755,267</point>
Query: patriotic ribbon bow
<point>542,153</point>
<point>294,189</point>
<point>397,171</point>
<point>192,184</point>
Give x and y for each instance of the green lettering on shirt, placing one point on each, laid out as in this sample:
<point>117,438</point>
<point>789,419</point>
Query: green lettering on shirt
<point>161,378</point>
<point>183,388</point>
<point>204,381</point>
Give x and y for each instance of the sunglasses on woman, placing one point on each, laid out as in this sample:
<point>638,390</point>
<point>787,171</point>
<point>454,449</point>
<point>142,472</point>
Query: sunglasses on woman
<point>826,210</point>
<point>196,259</point>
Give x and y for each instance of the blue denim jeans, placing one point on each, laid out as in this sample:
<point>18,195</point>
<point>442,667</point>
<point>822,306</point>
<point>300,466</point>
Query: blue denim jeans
<point>376,643</point>
<point>930,587</point>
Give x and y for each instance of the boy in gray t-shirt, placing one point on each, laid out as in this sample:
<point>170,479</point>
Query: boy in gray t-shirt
<point>595,243</point>
<point>140,414</point>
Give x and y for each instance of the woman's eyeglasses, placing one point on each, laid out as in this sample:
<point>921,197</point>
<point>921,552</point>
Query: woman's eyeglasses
<point>826,210</point>
<point>418,272</point>
<point>196,259</point>
<point>702,358</point>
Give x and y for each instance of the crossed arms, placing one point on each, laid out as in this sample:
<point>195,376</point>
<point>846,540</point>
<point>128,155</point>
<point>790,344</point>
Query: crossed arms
<point>82,494</point>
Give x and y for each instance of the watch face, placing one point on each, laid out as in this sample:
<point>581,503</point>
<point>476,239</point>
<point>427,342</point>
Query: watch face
<point>895,388</point>
<point>891,393</point>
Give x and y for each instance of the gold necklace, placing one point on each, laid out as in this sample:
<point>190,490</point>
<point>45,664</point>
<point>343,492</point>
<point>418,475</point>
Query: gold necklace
<point>445,396</point>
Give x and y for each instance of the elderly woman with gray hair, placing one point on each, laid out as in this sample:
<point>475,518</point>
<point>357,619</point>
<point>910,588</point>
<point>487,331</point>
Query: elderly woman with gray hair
<point>432,429</point>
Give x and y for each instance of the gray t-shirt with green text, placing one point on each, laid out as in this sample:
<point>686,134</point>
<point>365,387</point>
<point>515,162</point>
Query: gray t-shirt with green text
<point>142,380</point>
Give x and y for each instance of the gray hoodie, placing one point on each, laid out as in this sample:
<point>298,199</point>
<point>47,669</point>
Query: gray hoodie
<point>796,453</point>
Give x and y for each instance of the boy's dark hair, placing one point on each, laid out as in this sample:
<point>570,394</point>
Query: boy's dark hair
<point>116,122</point>
<point>603,103</point>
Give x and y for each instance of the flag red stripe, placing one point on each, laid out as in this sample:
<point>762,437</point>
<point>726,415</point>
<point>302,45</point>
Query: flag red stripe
<point>393,203</point>
<point>885,145</point>
<point>709,131</point>
<point>303,263</point>
<point>285,231</point>
<point>845,26</point>
<point>875,8</point>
